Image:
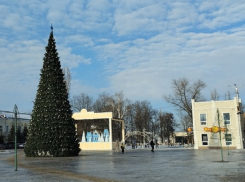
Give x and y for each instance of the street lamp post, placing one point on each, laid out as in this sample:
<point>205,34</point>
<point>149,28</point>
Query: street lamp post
<point>144,136</point>
<point>152,130</point>
<point>15,115</point>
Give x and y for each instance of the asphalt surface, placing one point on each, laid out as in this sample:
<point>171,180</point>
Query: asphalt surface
<point>173,164</point>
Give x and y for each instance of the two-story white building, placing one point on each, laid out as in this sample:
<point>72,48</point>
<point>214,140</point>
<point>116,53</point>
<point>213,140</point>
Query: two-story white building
<point>216,121</point>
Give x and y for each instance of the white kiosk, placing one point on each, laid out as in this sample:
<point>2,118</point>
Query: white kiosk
<point>99,142</point>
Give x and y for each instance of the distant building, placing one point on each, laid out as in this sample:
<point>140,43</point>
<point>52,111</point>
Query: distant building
<point>180,137</point>
<point>7,119</point>
<point>206,126</point>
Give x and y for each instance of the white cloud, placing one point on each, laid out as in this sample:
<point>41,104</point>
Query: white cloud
<point>142,45</point>
<point>148,66</point>
<point>21,63</point>
<point>220,14</point>
<point>69,59</point>
<point>182,13</point>
<point>78,87</point>
<point>149,18</point>
<point>88,16</point>
<point>77,39</point>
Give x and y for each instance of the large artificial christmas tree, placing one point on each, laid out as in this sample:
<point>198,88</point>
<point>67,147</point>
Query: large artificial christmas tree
<point>52,130</point>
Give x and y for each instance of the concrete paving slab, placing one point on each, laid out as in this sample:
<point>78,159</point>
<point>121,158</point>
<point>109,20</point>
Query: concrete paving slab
<point>175,164</point>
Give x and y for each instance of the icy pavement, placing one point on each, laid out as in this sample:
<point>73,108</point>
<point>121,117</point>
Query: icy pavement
<point>173,164</point>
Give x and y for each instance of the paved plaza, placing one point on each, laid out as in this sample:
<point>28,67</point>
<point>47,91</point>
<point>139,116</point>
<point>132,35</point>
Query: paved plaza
<point>173,164</point>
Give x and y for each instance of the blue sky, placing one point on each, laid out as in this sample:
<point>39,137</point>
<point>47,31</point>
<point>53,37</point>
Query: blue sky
<point>134,46</point>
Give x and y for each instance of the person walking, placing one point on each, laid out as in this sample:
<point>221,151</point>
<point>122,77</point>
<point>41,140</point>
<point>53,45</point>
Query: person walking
<point>122,147</point>
<point>152,146</point>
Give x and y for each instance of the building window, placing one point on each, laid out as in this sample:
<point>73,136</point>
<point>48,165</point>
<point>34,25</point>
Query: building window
<point>203,119</point>
<point>204,139</point>
<point>226,117</point>
<point>7,129</point>
<point>228,139</point>
<point>1,130</point>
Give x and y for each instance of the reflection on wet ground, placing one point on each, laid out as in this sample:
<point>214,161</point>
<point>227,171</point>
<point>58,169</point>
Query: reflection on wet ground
<point>165,164</point>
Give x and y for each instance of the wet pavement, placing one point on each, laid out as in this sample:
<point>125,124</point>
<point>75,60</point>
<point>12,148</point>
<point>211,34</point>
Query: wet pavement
<point>173,164</point>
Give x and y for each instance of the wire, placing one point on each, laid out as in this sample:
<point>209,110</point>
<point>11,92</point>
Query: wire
<point>13,112</point>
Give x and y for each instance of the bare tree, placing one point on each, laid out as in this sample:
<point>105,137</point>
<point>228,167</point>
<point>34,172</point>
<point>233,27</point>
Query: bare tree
<point>120,105</point>
<point>67,76</point>
<point>186,122</point>
<point>129,118</point>
<point>143,115</point>
<point>103,103</point>
<point>115,104</point>
<point>184,92</point>
<point>167,125</point>
<point>228,95</point>
<point>160,120</point>
<point>214,95</point>
<point>80,102</point>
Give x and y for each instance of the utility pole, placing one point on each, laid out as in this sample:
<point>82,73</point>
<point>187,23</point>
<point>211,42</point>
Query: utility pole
<point>237,98</point>
<point>238,114</point>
